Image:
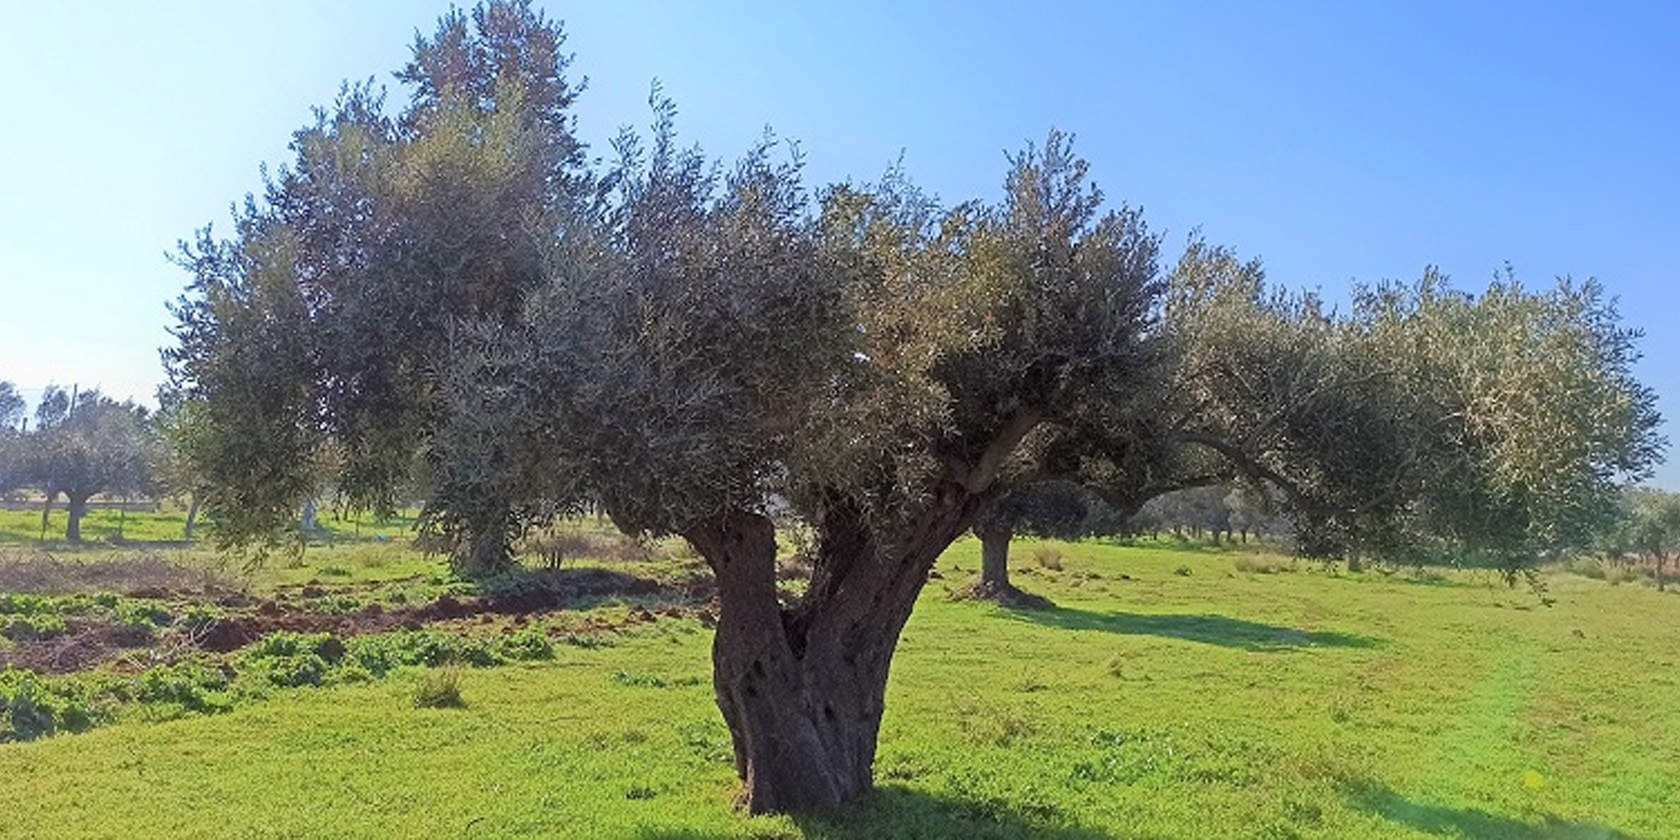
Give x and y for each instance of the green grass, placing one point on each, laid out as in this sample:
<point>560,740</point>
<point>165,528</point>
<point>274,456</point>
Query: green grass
<point>1230,702</point>
<point>102,526</point>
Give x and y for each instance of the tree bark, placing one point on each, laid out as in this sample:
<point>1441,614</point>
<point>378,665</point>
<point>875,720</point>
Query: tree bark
<point>192,516</point>
<point>77,509</point>
<point>994,558</point>
<point>802,689</point>
<point>487,553</point>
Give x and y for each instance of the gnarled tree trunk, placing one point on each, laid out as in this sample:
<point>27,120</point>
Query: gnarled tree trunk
<point>802,689</point>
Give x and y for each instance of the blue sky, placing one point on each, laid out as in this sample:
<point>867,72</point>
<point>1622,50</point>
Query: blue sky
<point>1338,141</point>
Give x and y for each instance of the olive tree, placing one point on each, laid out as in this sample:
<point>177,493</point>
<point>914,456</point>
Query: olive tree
<point>310,336</point>
<point>1654,532</point>
<point>1056,509</point>
<point>12,463</point>
<point>83,446</point>
<point>694,348</point>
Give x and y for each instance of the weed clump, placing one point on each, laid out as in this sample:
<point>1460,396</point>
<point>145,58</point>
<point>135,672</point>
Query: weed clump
<point>289,660</point>
<point>31,707</point>
<point>1048,557</point>
<point>526,644</point>
<point>440,689</point>
<point>32,628</point>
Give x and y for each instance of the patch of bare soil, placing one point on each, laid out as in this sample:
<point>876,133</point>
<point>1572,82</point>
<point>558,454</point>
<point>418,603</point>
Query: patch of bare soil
<point>91,644</point>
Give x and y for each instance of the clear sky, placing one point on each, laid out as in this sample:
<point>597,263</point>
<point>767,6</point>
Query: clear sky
<point>1338,141</point>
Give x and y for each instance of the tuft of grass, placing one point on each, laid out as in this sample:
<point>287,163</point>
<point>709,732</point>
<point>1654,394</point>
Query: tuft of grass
<point>1264,565</point>
<point>1182,571</point>
<point>1116,665</point>
<point>440,689</point>
<point>1048,557</point>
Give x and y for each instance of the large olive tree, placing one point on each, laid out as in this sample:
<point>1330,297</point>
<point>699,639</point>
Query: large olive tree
<point>703,347</point>
<point>891,368</point>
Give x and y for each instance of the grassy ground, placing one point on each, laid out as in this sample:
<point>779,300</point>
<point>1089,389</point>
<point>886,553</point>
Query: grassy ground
<point>1168,694</point>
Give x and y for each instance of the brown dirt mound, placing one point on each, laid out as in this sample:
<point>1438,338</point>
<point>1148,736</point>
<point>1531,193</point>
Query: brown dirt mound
<point>1008,596</point>
<point>91,644</point>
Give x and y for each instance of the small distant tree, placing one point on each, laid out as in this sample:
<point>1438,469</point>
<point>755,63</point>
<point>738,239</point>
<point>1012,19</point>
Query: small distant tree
<point>85,444</point>
<point>1655,532</point>
<point>1047,509</point>
<point>12,469</point>
<point>1248,511</point>
<point>11,406</point>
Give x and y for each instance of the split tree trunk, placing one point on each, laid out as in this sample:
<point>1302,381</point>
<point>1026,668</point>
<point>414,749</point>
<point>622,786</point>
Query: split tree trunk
<point>77,509</point>
<point>802,689</point>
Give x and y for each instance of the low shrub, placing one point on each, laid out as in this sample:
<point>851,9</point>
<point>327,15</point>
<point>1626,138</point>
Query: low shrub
<point>1048,557</point>
<point>191,685</point>
<point>142,613</point>
<point>32,627</point>
<point>201,617</point>
<point>380,653</point>
<point>289,660</point>
<point>528,643</point>
<point>31,707</point>
<point>440,689</point>
<point>16,604</point>
<point>337,605</point>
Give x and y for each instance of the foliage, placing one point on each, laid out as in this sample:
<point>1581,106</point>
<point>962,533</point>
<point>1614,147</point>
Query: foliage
<point>1651,524</point>
<point>13,473</point>
<point>1058,509</point>
<point>82,444</point>
<point>31,707</point>
<point>527,643</point>
<point>307,337</point>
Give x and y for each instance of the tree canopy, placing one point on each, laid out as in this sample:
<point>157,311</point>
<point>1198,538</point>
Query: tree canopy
<point>83,444</point>
<point>311,336</point>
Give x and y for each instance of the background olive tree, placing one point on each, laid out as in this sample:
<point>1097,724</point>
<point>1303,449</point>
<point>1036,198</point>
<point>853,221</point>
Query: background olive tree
<point>310,336</point>
<point>82,444</point>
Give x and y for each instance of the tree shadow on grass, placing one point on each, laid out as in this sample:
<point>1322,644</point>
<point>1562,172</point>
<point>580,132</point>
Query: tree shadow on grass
<point>1472,822</point>
<point>890,813</point>
<point>1207,629</point>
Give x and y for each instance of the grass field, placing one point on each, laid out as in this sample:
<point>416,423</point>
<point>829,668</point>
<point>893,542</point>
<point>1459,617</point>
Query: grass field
<point>1170,693</point>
